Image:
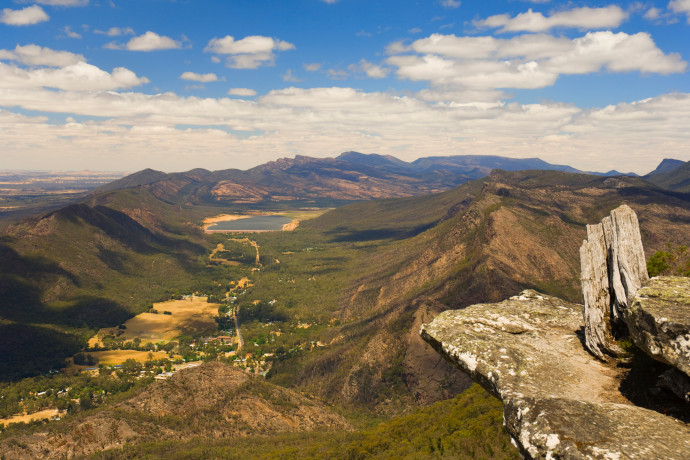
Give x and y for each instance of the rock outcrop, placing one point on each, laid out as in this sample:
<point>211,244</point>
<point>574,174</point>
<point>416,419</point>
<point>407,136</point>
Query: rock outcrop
<point>547,359</point>
<point>659,321</point>
<point>559,401</point>
<point>613,269</point>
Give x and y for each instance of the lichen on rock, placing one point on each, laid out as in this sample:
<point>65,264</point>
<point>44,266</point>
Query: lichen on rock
<point>559,401</point>
<point>659,320</point>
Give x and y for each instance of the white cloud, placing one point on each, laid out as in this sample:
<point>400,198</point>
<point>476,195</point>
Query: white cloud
<point>248,45</point>
<point>325,121</point>
<point>74,77</point>
<point>289,76</point>
<point>370,69</point>
<point>248,53</point>
<point>62,2</point>
<point>35,55</point>
<point>680,6</point>
<point>69,33</point>
<point>203,78</point>
<point>450,3</point>
<point>337,74</point>
<point>580,18</point>
<point>245,92</point>
<point>526,61</point>
<point>250,61</point>
<point>617,53</point>
<point>313,67</point>
<point>151,41</point>
<point>24,17</point>
<point>455,47</point>
<point>652,13</point>
<point>115,31</point>
<point>414,30</point>
<point>60,70</point>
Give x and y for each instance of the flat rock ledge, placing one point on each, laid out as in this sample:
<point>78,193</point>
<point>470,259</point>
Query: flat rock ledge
<point>659,321</point>
<point>559,401</point>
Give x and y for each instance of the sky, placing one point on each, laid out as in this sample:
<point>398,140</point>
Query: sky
<point>123,85</point>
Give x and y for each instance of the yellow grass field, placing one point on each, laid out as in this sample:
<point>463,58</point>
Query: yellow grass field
<point>187,316</point>
<point>297,216</point>
<point>115,357</point>
<point>41,415</point>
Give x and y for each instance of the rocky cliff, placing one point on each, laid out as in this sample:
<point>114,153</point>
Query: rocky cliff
<point>561,399</point>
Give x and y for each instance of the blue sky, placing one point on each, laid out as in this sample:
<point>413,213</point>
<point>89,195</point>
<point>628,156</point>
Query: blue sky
<point>172,85</point>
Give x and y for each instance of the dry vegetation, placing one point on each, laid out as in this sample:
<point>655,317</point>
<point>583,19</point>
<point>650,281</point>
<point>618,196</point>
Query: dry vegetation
<point>194,315</point>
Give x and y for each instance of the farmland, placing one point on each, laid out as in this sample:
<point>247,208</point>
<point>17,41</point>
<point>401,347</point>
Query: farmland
<point>166,321</point>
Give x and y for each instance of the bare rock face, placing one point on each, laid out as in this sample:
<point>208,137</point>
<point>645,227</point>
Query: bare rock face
<point>659,321</point>
<point>559,401</point>
<point>613,269</point>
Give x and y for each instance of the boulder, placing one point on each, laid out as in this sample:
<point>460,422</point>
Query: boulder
<point>613,269</point>
<point>559,401</point>
<point>659,320</point>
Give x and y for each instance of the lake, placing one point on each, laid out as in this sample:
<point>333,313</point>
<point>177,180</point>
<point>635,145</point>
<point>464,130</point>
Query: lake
<point>251,224</point>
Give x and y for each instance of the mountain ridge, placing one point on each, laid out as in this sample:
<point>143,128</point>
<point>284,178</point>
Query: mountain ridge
<point>671,177</point>
<point>351,176</point>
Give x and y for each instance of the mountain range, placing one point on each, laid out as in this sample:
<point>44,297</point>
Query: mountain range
<point>351,176</point>
<point>368,273</point>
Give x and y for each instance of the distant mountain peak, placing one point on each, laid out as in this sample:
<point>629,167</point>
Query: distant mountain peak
<point>666,165</point>
<point>373,159</point>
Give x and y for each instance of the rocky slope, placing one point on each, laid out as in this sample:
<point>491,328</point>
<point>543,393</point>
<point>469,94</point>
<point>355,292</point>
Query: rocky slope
<point>671,175</point>
<point>482,242</point>
<point>214,401</point>
<point>559,401</point>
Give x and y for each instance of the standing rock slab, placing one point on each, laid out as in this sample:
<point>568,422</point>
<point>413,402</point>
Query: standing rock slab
<point>559,401</point>
<point>613,269</point>
<point>659,321</point>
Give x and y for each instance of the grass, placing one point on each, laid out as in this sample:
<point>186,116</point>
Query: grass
<point>26,418</point>
<point>116,357</point>
<point>187,316</point>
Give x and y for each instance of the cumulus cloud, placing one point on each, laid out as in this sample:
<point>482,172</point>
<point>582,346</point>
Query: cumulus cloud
<point>24,17</point>
<point>617,53</point>
<point>115,31</point>
<point>203,78</point>
<point>69,33</point>
<point>62,70</point>
<point>526,61</point>
<point>289,76</point>
<point>151,41</point>
<point>74,77</point>
<point>245,92</point>
<point>370,69</point>
<point>580,18</point>
<point>35,55</point>
<point>248,53</point>
<point>680,6</point>
<point>324,121</point>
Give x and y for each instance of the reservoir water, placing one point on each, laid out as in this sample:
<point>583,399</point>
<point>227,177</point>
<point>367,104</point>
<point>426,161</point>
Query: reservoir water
<point>252,224</point>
